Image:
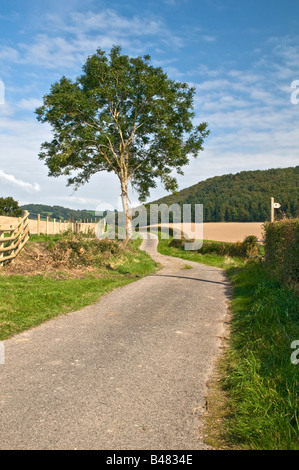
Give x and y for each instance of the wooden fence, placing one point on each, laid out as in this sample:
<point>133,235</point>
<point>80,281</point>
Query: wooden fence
<point>54,226</point>
<point>13,238</point>
<point>51,226</point>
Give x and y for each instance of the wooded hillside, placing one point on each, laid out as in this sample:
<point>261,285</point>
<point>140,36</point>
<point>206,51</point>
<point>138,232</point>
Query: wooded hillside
<point>243,197</point>
<point>57,212</point>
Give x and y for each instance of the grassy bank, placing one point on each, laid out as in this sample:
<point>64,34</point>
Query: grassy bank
<point>254,403</point>
<point>261,381</point>
<point>210,259</point>
<point>60,275</point>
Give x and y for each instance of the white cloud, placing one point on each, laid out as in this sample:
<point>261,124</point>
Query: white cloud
<point>28,187</point>
<point>87,202</point>
<point>208,38</point>
<point>110,20</point>
<point>29,104</point>
<point>253,124</point>
<point>66,42</point>
<point>9,54</point>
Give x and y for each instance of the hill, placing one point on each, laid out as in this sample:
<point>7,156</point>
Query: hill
<point>57,212</point>
<point>243,197</point>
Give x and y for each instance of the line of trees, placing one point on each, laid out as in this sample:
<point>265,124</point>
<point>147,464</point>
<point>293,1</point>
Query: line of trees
<point>57,212</point>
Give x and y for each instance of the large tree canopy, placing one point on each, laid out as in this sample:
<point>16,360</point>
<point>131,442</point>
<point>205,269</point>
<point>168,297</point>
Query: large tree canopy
<point>121,115</point>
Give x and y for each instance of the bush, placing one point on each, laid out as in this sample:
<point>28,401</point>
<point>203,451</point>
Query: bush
<point>281,241</point>
<point>77,249</point>
<point>246,249</point>
<point>178,242</point>
<point>250,246</point>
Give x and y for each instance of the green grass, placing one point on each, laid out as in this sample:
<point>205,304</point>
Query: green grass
<point>261,381</point>
<point>27,301</point>
<point>46,238</point>
<point>257,380</point>
<point>209,259</point>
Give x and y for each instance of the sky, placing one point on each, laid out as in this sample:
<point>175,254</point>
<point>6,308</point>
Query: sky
<point>242,57</point>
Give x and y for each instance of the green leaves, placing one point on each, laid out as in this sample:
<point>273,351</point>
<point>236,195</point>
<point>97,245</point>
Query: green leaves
<point>9,207</point>
<point>122,115</point>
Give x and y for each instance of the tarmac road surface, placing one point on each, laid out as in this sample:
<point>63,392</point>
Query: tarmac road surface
<point>127,373</point>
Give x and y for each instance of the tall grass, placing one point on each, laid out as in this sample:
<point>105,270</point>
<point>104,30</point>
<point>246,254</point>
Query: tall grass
<point>261,381</point>
<point>166,247</point>
<point>258,379</point>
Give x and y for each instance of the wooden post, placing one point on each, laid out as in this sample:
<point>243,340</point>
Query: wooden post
<point>272,210</point>
<point>38,224</point>
<point>47,225</point>
<point>1,245</point>
<point>13,244</point>
<point>54,226</point>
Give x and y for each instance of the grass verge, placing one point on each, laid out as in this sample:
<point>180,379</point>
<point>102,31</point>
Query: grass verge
<point>28,300</point>
<point>210,259</point>
<point>253,399</point>
<point>261,381</point>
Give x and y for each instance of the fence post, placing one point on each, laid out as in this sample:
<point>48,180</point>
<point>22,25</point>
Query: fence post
<point>47,225</point>
<point>13,244</point>
<point>54,226</point>
<point>1,245</point>
<point>38,224</point>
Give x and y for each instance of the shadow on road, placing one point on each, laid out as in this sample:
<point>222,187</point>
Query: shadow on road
<point>192,278</point>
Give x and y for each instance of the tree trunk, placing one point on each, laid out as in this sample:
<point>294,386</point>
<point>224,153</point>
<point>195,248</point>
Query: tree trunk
<point>127,210</point>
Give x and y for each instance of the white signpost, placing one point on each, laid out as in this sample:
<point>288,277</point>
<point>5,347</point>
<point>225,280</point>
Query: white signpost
<point>274,205</point>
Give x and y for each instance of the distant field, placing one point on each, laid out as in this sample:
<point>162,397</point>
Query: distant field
<point>218,231</point>
<point>225,231</point>
<point>8,220</point>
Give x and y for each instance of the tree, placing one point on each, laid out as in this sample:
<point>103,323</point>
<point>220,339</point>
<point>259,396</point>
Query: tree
<point>121,115</point>
<point>9,207</point>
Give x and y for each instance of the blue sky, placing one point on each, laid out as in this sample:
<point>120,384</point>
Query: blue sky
<point>241,56</point>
